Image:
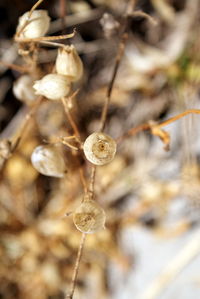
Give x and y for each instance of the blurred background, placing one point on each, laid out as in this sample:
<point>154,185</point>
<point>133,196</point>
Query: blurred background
<point>150,247</point>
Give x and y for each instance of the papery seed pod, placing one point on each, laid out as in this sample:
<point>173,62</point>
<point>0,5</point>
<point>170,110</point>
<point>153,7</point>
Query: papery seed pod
<point>52,86</point>
<point>68,63</point>
<point>99,148</point>
<point>48,160</point>
<point>89,217</point>
<point>23,89</point>
<point>37,26</point>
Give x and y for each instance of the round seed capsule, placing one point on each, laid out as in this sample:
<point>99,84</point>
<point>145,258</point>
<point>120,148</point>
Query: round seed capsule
<point>37,26</point>
<point>89,217</point>
<point>99,148</point>
<point>52,86</point>
<point>48,160</point>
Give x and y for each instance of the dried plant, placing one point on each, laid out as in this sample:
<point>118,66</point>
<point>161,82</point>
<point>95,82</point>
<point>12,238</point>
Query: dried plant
<point>57,146</point>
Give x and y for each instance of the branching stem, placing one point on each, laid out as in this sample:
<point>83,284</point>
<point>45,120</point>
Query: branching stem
<point>148,126</point>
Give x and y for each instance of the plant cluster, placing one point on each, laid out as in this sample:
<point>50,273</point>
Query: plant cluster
<point>63,150</point>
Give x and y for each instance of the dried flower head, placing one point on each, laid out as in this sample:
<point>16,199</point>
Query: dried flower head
<point>99,148</point>
<point>68,63</point>
<point>37,26</point>
<point>48,160</point>
<point>89,217</point>
<point>52,86</point>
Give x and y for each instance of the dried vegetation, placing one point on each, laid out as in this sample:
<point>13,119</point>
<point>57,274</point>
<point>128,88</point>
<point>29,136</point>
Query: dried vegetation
<point>140,84</point>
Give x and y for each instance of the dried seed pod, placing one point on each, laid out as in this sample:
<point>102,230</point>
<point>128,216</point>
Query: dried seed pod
<point>99,148</point>
<point>37,26</point>
<point>48,160</point>
<point>68,63</point>
<point>52,86</point>
<point>23,89</point>
<point>89,217</point>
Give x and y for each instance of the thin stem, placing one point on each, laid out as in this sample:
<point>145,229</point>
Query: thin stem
<point>70,118</point>
<point>44,38</point>
<point>133,132</point>
<point>174,118</point>
<point>62,14</point>
<point>77,135</point>
<point>52,44</point>
<point>18,136</point>
<point>120,52</point>
<point>83,180</point>
<point>76,267</point>
<point>34,7</point>
<point>92,180</point>
<point>148,126</point>
<point>29,15</point>
<point>15,67</point>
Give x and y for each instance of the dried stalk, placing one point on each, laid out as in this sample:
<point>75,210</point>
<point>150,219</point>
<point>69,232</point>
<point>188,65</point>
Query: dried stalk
<point>83,180</point>
<point>76,268</point>
<point>148,126</point>
<point>120,52</point>
<point>63,12</point>
<point>15,67</point>
<point>19,134</point>
<point>82,177</point>
<point>70,118</point>
<point>102,126</point>
<point>44,38</point>
<point>92,181</point>
<point>29,15</point>
<point>174,118</point>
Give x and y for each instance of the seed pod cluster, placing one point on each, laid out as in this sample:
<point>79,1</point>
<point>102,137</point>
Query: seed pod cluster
<point>89,217</point>
<point>99,148</point>
<point>52,86</point>
<point>37,26</point>
<point>69,68</point>
<point>48,160</point>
